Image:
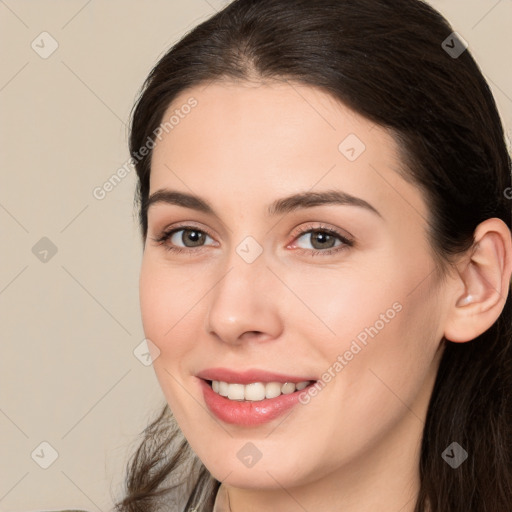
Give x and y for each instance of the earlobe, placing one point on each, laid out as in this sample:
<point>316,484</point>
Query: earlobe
<point>484,276</point>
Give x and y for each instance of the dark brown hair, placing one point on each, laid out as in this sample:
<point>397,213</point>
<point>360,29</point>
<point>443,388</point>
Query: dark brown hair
<point>385,60</point>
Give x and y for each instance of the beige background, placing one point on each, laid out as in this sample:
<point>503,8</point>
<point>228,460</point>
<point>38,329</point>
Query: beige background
<point>69,325</point>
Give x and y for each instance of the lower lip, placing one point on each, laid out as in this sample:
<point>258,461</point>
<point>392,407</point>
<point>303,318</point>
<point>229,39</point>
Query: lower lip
<point>248,412</point>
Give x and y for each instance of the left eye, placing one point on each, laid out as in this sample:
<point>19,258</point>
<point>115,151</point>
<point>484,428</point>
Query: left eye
<point>321,239</point>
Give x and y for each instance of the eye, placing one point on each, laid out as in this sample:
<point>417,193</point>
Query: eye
<point>324,240</point>
<point>189,237</point>
<point>183,239</point>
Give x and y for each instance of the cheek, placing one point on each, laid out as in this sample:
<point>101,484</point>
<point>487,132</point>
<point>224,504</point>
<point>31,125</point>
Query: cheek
<point>154,302</point>
<point>339,306</point>
<point>377,333</point>
<point>164,306</point>
<point>167,296</point>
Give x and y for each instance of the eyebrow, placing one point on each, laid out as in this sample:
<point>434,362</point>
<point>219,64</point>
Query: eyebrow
<point>278,207</point>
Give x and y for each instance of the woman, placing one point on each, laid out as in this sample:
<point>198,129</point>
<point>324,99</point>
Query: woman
<point>327,263</point>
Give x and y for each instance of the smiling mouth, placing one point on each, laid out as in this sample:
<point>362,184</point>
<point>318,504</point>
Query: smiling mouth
<point>255,391</point>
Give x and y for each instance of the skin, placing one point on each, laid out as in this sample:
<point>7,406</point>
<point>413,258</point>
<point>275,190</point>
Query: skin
<point>242,147</point>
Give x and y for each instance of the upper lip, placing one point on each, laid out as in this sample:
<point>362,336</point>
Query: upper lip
<point>249,376</point>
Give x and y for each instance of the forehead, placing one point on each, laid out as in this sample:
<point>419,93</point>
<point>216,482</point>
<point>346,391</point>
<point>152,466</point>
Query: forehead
<point>253,141</point>
<point>291,115</point>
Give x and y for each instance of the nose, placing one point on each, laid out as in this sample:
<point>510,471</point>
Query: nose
<point>244,303</point>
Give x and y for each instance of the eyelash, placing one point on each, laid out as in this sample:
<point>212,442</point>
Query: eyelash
<point>166,235</point>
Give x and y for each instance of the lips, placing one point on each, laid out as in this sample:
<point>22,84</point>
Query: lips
<point>250,412</point>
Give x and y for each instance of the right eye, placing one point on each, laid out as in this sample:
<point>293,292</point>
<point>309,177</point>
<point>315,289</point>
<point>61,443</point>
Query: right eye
<point>182,239</point>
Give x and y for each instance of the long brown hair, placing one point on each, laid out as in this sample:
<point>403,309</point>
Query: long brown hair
<point>386,60</point>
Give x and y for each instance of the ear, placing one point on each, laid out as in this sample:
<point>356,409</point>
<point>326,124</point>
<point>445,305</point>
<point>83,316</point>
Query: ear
<point>483,282</point>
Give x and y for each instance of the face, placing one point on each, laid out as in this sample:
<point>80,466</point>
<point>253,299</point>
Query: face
<point>334,292</point>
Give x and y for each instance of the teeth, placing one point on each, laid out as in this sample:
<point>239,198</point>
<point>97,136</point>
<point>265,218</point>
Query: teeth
<point>287,388</point>
<point>256,391</point>
<point>223,388</point>
<point>236,391</point>
<point>272,389</point>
